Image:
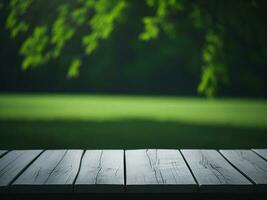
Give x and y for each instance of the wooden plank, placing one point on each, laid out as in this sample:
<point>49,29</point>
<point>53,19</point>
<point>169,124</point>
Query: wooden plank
<point>214,174</point>
<point>53,172</point>
<point>2,152</point>
<point>13,163</point>
<point>261,152</point>
<point>101,171</point>
<point>250,164</point>
<point>155,170</point>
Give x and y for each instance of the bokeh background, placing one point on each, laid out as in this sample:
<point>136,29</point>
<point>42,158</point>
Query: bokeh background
<point>133,92</point>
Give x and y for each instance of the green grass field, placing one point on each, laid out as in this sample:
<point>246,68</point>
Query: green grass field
<point>91,121</point>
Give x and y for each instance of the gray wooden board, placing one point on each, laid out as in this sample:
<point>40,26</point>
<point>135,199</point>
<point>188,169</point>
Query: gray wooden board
<point>101,171</point>
<point>261,152</point>
<point>2,152</point>
<point>154,170</point>
<point>53,172</point>
<point>214,174</point>
<point>13,163</point>
<point>250,164</point>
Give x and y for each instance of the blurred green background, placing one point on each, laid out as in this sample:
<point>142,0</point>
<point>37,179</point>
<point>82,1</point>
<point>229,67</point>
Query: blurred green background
<point>133,74</point>
<point>120,121</point>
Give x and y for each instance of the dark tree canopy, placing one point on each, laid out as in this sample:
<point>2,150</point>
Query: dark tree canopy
<point>218,35</point>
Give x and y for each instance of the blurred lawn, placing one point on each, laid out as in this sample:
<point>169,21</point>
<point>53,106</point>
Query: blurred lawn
<point>90,121</point>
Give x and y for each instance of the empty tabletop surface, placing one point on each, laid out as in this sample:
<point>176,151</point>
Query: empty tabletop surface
<point>214,173</point>
<point>101,170</point>
<point>252,165</point>
<point>133,171</point>
<point>153,170</point>
<point>261,152</point>
<point>54,170</point>
<point>12,164</point>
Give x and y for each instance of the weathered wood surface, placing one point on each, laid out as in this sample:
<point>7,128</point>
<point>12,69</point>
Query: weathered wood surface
<point>261,152</point>
<point>151,170</point>
<point>101,171</point>
<point>53,171</point>
<point>157,171</point>
<point>2,152</point>
<point>213,173</point>
<point>253,166</point>
<point>13,163</point>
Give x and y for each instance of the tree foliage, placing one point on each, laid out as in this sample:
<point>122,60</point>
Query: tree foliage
<point>218,22</point>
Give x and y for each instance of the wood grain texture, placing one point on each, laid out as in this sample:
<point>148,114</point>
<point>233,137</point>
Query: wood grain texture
<point>214,174</point>
<point>101,171</point>
<point>53,172</point>
<point>2,152</point>
<point>157,171</point>
<point>13,163</point>
<point>250,164</point>
<point>261,152</point>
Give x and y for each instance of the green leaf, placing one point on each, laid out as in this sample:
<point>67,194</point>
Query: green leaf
<point>74,68</point>
<point>151,29</point>
<point>33,48</point>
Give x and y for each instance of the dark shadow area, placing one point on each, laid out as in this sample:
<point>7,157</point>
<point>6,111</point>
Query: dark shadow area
<point>126,134</point>
<point>117,196</point>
